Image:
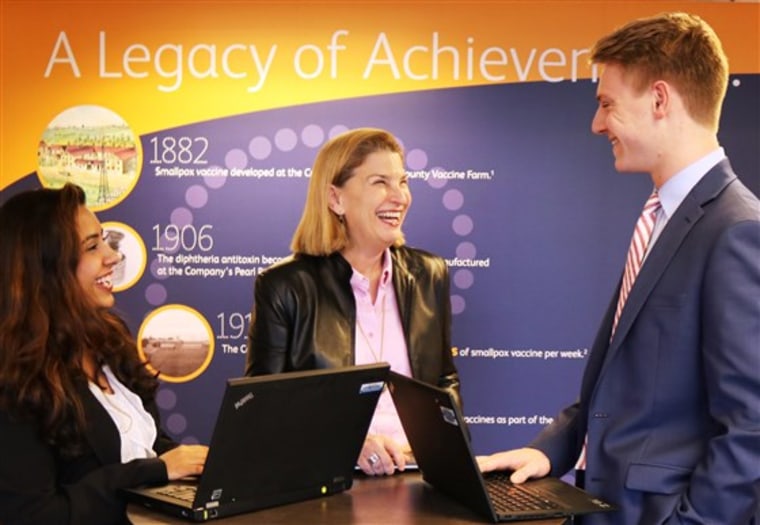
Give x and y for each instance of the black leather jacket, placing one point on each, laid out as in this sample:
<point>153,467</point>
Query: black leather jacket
<point>304,315</point>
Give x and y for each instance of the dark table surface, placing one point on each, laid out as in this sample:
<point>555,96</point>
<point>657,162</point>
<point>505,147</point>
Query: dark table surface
<point>398,500</point>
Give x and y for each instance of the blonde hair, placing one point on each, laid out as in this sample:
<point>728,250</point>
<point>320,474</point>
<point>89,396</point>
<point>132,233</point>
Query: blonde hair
<point>679,48</point>
<point>321,231</point>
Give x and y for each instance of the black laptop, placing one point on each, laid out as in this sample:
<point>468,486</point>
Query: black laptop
<point>439,439</point>
<point>278,439</point>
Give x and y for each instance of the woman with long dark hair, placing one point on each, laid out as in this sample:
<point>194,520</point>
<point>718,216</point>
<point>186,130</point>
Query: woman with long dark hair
<point>78,420</point>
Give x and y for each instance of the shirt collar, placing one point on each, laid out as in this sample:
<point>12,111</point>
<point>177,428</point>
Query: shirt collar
<point>360,281</point>
<point>674,191</point>
<point>387,268</point>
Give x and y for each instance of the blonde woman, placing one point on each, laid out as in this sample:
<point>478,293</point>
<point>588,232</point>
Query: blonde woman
<point>352,292</point>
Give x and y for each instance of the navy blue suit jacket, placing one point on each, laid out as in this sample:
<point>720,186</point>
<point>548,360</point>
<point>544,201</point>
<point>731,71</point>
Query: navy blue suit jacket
<point>671,405</point>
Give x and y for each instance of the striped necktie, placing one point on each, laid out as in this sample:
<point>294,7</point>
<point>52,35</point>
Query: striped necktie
<point>639,242</point>
<point>642,234</point>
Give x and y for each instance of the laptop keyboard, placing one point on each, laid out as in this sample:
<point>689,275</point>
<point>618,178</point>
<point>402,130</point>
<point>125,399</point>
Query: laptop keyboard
<point>508,497</point>
<point>180,492</point>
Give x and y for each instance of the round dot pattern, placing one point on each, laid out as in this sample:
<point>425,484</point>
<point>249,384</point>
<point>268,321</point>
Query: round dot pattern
<point>285,140</point>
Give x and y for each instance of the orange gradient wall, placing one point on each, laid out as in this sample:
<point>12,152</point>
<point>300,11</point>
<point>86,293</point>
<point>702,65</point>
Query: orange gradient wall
<point>164,64</point>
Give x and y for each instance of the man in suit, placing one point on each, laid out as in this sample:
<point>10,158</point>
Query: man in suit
<point>668,416</point>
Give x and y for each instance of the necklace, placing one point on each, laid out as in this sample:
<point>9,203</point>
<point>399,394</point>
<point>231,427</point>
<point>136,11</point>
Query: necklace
<point>377,357</point>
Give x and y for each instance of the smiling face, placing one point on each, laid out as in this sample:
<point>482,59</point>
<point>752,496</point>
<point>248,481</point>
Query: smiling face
<point>96,262</point>
<point>626,117</point>
<point>373,202</point>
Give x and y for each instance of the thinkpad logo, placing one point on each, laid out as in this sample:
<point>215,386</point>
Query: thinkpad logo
<point>243,400</point>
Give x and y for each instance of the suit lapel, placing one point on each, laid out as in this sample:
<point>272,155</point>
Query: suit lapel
<point>101,432</point>
<point>662,253</point>
<point>403,285</point>
<point>665,249</point>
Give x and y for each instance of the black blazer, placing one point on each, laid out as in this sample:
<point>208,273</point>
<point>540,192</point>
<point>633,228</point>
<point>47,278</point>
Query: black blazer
<point>304,315</point>
<point>38,486</point>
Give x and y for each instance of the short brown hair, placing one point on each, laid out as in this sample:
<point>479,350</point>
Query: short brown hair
<point>320,231</point>
<point>679,48</point>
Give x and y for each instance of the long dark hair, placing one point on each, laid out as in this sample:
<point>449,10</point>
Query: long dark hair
<point>47,323</point>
